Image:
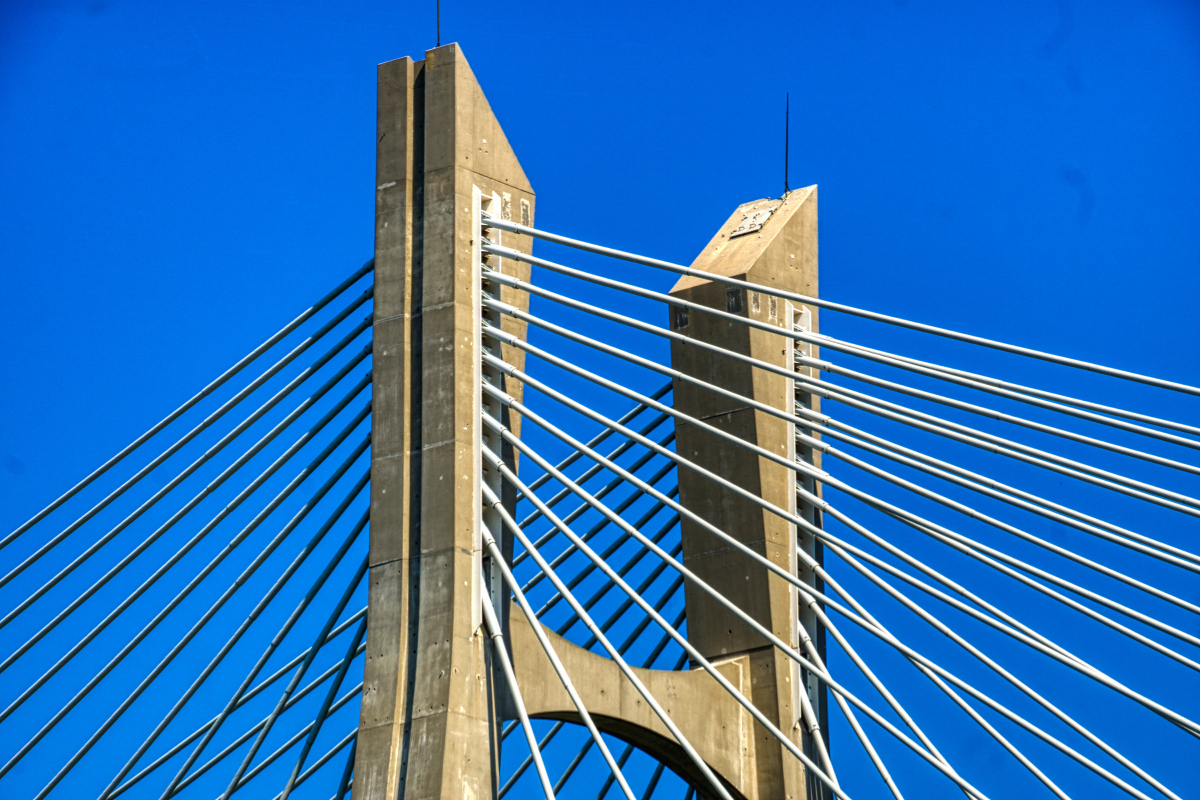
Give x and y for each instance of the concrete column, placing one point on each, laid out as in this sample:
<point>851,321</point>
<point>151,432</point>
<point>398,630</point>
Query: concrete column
<point>429,722</point>
<point>771,243</point>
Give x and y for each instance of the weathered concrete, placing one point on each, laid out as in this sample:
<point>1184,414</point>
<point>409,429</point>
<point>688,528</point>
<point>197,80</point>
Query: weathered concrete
<point>427,727</point>
<point>709,717</point>
<point>751,763</point>
<point>782,254</point>
<point>431,706</point>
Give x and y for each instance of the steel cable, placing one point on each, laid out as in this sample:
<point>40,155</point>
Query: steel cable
<point>237,539</point>
<point>203,393</point>
<point>190,435</point>
<point>211,487</point>
<point>508,225</point>
<point>259,559</point>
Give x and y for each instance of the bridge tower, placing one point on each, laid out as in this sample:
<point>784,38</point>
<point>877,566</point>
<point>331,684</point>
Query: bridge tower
<point>432,705</point>
<point>702,515</point>
<point>771,243</point>
<point>429,713</point>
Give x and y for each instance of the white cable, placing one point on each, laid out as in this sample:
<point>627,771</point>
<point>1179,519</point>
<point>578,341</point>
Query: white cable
<point>497,637</point>
<point>666,626</point>
<point>559,669</point>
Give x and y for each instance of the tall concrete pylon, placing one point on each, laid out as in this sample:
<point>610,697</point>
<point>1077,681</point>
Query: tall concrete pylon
<point>772,243</point>
<point>432,706</point>
<point>428,722</point>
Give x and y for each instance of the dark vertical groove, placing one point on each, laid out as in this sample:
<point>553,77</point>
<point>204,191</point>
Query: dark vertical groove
<point>415,387</point>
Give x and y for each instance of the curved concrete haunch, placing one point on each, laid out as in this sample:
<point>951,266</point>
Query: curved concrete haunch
<point>711,720</point>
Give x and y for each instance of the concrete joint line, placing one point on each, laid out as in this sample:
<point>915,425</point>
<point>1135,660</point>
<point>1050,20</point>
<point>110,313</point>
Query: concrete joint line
<point>725,659</point>
<point>708,553</point>
<point>379,320</point>
<point>724,413</point>
<point>378,564</point>
<point>402,454</point>
<point>499,181</point>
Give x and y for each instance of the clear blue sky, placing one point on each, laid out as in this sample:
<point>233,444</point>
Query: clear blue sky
<point>180,177</point>
<point>177,180</point>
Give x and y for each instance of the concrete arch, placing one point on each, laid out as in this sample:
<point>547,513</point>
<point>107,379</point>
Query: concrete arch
<point>739,750</point>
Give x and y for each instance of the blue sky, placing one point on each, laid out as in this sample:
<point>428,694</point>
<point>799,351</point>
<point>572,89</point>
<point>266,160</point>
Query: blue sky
<point>180,176</point>
<point>180,179</point>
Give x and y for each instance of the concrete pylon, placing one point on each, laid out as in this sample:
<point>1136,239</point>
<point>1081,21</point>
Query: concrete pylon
<point>432,707</point>
<point>772,243</point>
<point>429,710</point>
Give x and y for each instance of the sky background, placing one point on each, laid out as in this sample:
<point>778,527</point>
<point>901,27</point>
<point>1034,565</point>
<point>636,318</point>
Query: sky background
<point>180,177</point>
<point>178,180</point>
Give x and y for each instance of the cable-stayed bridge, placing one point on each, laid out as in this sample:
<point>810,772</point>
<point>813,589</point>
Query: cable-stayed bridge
<point>481,523</point>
